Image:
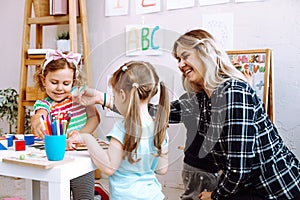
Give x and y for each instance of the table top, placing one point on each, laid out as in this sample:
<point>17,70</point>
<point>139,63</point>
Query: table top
<point>79,163</point>
<point>38,160</point>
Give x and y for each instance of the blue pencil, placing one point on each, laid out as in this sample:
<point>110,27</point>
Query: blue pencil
<point>53,127</point>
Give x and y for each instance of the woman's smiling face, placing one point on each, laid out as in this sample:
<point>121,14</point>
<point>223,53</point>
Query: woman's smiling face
<point>190,65</point>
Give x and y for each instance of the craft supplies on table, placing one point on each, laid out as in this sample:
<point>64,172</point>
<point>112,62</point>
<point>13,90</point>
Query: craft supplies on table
<point>56,123</point>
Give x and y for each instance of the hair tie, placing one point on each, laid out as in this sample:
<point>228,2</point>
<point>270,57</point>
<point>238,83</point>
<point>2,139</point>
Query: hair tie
<point>124,68</point>
<point>58,54</point>
<point>135,85</point>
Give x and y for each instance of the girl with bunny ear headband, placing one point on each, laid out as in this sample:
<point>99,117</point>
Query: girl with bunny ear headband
<point>57,77</point>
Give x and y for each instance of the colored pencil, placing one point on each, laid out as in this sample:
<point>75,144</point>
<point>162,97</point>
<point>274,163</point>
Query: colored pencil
<point>43,125</point>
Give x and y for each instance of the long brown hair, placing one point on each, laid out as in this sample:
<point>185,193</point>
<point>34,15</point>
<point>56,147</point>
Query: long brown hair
<point>140,80</point>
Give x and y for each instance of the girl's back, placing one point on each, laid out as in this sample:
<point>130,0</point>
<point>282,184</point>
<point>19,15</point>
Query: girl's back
<point>137,180</point>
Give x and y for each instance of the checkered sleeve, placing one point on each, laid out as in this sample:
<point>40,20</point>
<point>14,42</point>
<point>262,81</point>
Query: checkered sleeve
<point>237,139</point>
<point>187,106</point>
<point>178,108</point>
<point>175,112</point>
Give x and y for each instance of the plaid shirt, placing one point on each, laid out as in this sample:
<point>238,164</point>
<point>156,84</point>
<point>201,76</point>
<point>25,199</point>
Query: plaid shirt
<point>245,144</point>
<point>247,147</point>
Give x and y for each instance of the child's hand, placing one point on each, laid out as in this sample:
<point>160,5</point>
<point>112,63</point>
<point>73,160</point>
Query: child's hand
<point>205,195</point>
<point>73,137</point>
<point>249,76</point>
<point>86,97</point>
<point>76,93</point>
<point>36,126</point>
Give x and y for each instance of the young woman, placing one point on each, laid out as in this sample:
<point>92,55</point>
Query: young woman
<point>56,77</point>
<point>138,148</point>
<point>245,144</point>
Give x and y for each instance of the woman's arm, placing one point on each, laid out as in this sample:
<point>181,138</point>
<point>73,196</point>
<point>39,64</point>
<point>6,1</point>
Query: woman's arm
<point>183,107</point>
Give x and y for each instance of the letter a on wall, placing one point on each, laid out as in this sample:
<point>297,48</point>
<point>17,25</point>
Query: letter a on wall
<point>143,40</point>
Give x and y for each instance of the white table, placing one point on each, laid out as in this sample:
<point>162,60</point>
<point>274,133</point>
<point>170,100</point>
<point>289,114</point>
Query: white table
<point>58,177</point>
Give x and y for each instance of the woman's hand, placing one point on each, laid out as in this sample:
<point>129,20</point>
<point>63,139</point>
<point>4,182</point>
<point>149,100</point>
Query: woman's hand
<point>205,196</point>
<point>73,137</point>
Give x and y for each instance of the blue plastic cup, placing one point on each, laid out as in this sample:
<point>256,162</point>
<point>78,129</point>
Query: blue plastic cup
<point>55,146</point>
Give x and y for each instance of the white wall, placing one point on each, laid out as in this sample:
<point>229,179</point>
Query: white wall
<point>273,24</point>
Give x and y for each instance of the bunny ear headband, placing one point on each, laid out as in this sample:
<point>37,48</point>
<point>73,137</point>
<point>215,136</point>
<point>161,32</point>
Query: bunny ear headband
<point>58,54</point>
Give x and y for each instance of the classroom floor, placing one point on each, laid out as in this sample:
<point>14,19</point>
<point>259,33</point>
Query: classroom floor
<point>15,187</point>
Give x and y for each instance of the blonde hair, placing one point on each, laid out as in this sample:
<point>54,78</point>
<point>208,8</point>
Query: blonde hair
<point>219,69</point>
<point>54,65</point>
<point>140,80</point>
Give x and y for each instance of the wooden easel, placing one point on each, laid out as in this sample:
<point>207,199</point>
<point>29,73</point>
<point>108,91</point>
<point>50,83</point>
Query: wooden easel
<point>36,60</point>
<point>268,75</point>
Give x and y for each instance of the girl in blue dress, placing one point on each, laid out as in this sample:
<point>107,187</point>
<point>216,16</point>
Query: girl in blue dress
<point>138,148</point>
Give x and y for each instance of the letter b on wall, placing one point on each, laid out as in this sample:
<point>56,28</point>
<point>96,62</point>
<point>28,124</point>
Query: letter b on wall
<point>143,40</point>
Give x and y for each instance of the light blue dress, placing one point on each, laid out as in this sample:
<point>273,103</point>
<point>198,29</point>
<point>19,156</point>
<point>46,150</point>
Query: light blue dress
<point>137,180</point>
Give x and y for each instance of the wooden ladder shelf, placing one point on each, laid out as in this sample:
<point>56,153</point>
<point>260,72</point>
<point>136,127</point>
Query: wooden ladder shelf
<point>36,60</point>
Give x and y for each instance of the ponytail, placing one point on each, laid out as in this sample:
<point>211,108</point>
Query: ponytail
<point>131,121</point>
<point>161,118</point>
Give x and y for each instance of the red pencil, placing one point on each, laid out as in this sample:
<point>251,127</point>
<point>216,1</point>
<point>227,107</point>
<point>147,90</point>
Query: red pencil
<point>48,122</point>
<point>68,121</point>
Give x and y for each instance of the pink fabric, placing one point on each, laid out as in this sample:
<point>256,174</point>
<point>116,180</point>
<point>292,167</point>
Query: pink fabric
<point>58,54</point>
<point>70,57</point>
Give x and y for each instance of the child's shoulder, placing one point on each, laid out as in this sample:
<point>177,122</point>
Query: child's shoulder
<point>119,124</point>
<point>118,127</point>
<point>46,101</point>
<point>118,131</point>
<point>42,104</point>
